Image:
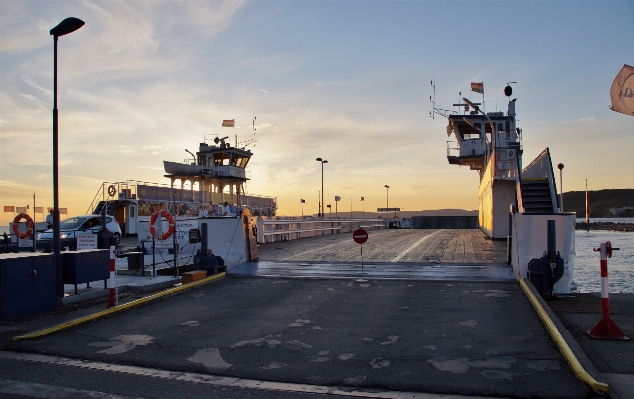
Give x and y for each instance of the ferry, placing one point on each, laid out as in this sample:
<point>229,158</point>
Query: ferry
<point>198,188</point>
<point>515,202</point>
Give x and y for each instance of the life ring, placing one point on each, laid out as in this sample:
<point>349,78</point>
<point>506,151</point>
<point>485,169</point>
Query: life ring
<point>170,224</point>
<point>112,190</point>
<point>29,226</point>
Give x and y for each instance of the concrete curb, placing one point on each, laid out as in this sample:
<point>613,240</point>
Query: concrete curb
<point>576,358</point>
<point>131,288</point>
<point>116,309</point>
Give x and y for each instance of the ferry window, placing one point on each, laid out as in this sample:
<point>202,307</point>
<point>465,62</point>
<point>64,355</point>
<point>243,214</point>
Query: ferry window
<point>221,159</point>
<point>235,159</point>
<point>202,160</point>
<point>244,162</point>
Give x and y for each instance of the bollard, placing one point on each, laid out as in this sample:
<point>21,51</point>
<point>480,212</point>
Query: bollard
<point>113,299</point>
<point>606,328</point>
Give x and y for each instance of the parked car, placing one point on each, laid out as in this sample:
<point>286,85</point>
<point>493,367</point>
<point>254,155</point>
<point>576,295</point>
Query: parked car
<point>70,227</point>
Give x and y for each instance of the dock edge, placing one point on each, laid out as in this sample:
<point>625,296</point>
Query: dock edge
<point>116,309</point>
<point>564,348</point>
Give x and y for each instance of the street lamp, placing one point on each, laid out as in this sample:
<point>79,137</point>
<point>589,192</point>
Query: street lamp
<point>65,27</point>
<point>321,206</point>
<point>387,199</point>
<point>330,209</point>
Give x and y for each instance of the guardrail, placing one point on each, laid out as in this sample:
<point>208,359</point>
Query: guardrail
<point>284,228</point>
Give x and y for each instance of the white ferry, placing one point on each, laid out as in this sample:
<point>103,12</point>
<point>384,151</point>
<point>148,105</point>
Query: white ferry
<point>198,187</point>
<point>515,203</point>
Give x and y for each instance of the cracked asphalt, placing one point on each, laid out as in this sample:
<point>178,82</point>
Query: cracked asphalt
<point>469,338</point>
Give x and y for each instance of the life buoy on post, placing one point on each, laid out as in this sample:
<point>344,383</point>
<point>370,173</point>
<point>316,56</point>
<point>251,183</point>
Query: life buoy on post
<point>112,190</point>
<point>170,224</point>
<point>29,226</point>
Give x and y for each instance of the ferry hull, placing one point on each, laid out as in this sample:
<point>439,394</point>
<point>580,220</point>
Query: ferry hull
<point>529,241</point>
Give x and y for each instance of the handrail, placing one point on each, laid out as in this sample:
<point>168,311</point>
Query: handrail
<point>279,228</point>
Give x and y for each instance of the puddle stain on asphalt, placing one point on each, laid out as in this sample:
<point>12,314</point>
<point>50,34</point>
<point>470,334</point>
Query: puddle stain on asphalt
<point>211,359</point>
<point>462,365</point>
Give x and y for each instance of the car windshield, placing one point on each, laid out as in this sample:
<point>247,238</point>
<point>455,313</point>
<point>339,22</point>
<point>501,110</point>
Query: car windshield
<point>71,224</point>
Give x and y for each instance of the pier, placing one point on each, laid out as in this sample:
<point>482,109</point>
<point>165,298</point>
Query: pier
<point>432,312</point>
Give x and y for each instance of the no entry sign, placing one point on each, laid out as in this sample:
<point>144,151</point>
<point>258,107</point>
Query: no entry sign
<point>360,236</point>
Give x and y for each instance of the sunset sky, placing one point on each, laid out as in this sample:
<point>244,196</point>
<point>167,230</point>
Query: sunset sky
<point>347,81</point>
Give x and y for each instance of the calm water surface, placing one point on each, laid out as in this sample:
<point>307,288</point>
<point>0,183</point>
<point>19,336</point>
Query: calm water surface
<point>587,275</point>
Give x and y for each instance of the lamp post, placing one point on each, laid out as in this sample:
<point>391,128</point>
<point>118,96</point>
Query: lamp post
<point>321,206</point>
<point>65,27</point>
<point>561,187</point>
<point>387,199</point>
<point>330,209</point>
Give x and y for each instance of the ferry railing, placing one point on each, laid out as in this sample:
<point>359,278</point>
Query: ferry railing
<point>285,228</point>
<point>453,148</point>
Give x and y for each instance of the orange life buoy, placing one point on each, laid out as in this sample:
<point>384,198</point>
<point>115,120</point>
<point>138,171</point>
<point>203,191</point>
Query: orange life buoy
<point>170,224</point>
<point>29,226</point>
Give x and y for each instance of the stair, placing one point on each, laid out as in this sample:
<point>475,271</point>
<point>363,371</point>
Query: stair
<point>536,196</point>
<point>109,208</point>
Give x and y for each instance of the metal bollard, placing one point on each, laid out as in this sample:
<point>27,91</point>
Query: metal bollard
<point>113,298</point>
<point>606,328</point>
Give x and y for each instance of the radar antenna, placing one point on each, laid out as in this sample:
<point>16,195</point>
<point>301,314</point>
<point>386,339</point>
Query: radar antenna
<point>252,140</point>
<point>435,110</point>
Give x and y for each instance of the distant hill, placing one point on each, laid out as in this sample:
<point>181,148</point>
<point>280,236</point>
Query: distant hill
<point>600,202</point>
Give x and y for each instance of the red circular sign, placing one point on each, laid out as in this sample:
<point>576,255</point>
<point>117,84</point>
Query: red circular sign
<point>360,236</point>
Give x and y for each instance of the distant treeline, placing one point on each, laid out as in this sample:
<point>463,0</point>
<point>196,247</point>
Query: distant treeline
<point>600,202</point>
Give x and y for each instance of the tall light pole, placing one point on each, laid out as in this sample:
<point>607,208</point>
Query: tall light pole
<point>65,27</point>
<point>387,200</point>
<point>321,206</point>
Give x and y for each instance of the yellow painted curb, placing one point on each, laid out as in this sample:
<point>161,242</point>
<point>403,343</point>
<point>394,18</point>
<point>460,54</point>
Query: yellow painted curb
<point>129,305</point>
<point>577,368</point>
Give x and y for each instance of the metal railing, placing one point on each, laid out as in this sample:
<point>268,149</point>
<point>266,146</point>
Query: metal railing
<point>281,228</point>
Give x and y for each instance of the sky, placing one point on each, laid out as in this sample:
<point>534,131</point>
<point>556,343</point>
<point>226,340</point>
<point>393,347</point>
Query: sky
<point>347,81</point>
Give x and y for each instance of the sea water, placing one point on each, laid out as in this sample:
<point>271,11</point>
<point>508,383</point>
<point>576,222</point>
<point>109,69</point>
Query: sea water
<point>587,274</point>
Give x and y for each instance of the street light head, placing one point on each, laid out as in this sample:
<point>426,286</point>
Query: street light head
<point>67,26</point>
<point>386,186</point>
<point>318,159</point>
<point>324,161</point>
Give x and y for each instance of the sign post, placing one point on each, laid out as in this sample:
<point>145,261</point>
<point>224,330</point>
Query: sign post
<point>360,236</point>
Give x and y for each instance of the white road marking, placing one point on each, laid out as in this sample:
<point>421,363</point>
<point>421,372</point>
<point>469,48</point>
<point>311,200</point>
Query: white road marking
<point>222,381</point>
<point>313,250</point>
<point>35,390</point>
<point>412,247</point>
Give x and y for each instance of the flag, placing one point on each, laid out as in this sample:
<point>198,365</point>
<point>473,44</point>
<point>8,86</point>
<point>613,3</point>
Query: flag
<point>228,123</point>
<point>9,208</point>
<point>622,91</point>
<point>303,202</point>
<point>362,198</point>
<point>477,87</point>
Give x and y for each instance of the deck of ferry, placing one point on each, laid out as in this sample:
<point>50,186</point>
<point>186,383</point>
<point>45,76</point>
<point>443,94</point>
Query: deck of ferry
<point>413,254</point>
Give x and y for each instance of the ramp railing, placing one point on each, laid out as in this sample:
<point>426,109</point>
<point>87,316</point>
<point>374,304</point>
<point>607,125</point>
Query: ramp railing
<point>285,228</point>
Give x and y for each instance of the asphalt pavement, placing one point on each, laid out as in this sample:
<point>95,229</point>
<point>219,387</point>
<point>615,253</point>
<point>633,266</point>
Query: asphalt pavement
<point>464,338</point>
